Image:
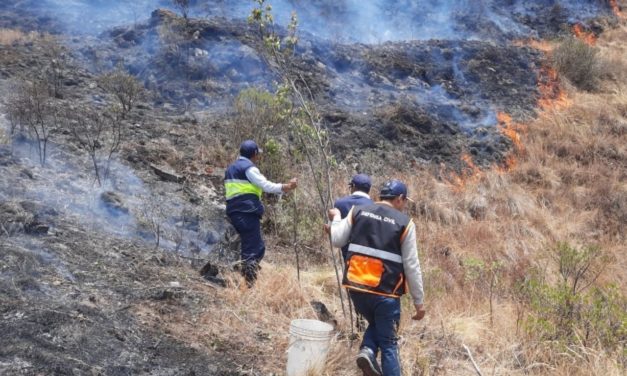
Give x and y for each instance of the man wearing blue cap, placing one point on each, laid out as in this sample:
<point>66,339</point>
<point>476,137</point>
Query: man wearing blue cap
<point>360,189</point>
<point>382,260</point>
<point>244,183</point>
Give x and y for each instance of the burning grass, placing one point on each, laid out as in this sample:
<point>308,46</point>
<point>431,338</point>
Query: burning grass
<point>584,35</point>
<point>540,45</point>
<point>617,8</point>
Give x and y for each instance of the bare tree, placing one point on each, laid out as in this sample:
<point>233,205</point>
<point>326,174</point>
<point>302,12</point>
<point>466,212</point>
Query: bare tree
<point>54,62</point>
<point>183,7</point>
<point>153,215</point>
<point>99,133</point>
<point>31,108</point>
<point>125,87</point>
<point>306,124</point>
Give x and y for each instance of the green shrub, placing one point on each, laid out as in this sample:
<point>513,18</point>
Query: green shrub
<point>259,115</point>
<point>578,62</point>
<point>570,310</point>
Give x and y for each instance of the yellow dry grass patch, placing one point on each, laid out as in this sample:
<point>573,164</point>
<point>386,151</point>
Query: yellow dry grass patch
<point>10,36</point>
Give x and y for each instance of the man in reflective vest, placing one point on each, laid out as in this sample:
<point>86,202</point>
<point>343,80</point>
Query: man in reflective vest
<point>382,260</point>
<point>244,183</point>
<point>360,188</point>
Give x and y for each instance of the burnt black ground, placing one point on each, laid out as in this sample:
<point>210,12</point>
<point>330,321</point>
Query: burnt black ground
<point>67,307</point>
<point>448,91</point>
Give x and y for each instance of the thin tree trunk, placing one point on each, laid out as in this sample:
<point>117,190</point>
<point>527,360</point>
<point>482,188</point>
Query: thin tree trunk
<point>96,171</point>
<point>295,240</point>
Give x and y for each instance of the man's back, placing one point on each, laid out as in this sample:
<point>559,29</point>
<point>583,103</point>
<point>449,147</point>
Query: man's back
<point>345,204</point>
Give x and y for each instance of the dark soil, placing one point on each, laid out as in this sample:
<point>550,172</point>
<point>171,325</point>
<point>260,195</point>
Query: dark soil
<point>68,303</point>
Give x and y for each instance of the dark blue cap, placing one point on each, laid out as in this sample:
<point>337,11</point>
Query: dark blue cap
<point>248,149</point>
<point>361,182</point>
<point>394,188</point>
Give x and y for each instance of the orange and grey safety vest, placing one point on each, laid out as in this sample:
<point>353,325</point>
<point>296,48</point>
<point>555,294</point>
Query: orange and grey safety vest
<point>374,262</point>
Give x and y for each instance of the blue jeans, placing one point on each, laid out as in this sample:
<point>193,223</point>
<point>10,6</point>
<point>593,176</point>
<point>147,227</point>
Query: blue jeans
<point>383,315</point>
<point>248,226</point>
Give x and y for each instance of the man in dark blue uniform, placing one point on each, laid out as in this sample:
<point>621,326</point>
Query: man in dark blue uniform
<point>360,189</point>
<point>382,262</point>
<point>243,185</point>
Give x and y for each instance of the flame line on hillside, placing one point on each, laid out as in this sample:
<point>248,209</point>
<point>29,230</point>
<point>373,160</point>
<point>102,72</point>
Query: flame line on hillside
<point>616,9</point>
<point>552,96</point>
<point>587,37</point>
<point>540,45</point>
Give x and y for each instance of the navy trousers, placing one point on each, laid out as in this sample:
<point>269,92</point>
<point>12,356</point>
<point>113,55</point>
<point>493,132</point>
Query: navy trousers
<point>248,226</point>
<point>383,315</point>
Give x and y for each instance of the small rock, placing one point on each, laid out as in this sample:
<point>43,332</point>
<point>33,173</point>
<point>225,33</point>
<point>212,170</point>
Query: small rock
<point>166,174</point>
<point>36,228</point>
<point>199,52</point>
<point>323,312</point>
<point>26,173</point>
<point>70,82</point>
<point>113,203</point>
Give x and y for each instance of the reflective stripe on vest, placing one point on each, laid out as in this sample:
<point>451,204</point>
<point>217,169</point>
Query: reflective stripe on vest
<point>238,187</point>
<point>384,255</point>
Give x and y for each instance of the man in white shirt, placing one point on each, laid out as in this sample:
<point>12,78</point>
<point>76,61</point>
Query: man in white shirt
<point>382,259</point>
<point>244,183</point>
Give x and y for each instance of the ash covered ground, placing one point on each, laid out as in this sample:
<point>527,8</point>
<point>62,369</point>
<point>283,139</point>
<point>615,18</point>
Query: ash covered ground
<point>390,78</point>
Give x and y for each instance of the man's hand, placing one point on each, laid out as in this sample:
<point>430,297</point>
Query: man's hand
<point>292,184</point>
<point>420,312</point>
<point>332,213</point>
<point>327,229</point>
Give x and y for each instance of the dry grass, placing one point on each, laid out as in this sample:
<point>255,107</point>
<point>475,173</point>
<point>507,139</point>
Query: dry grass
<point>569,186</point>
<point>4,137</point>
<point>10,36</point>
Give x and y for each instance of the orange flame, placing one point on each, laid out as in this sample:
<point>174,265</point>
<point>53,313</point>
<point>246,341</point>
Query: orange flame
<point>616,9</point>
<point>584,36</point>
<point>540,45</point>
<point>511,130</point>
<point>470,174</point>
<point>474,170</point>
<point>508,164</point>
<point>551,94</point>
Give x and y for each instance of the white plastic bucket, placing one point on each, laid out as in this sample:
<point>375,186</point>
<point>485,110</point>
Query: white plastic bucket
<point>309,345</point>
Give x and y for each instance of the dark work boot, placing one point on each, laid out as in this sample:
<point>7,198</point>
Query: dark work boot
<point>249,271</point>
<point>367,362</point>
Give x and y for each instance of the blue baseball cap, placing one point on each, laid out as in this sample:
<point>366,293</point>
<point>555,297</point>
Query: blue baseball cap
<point>394,188</point>
<point>249,148</point>
<point>361,182</point>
